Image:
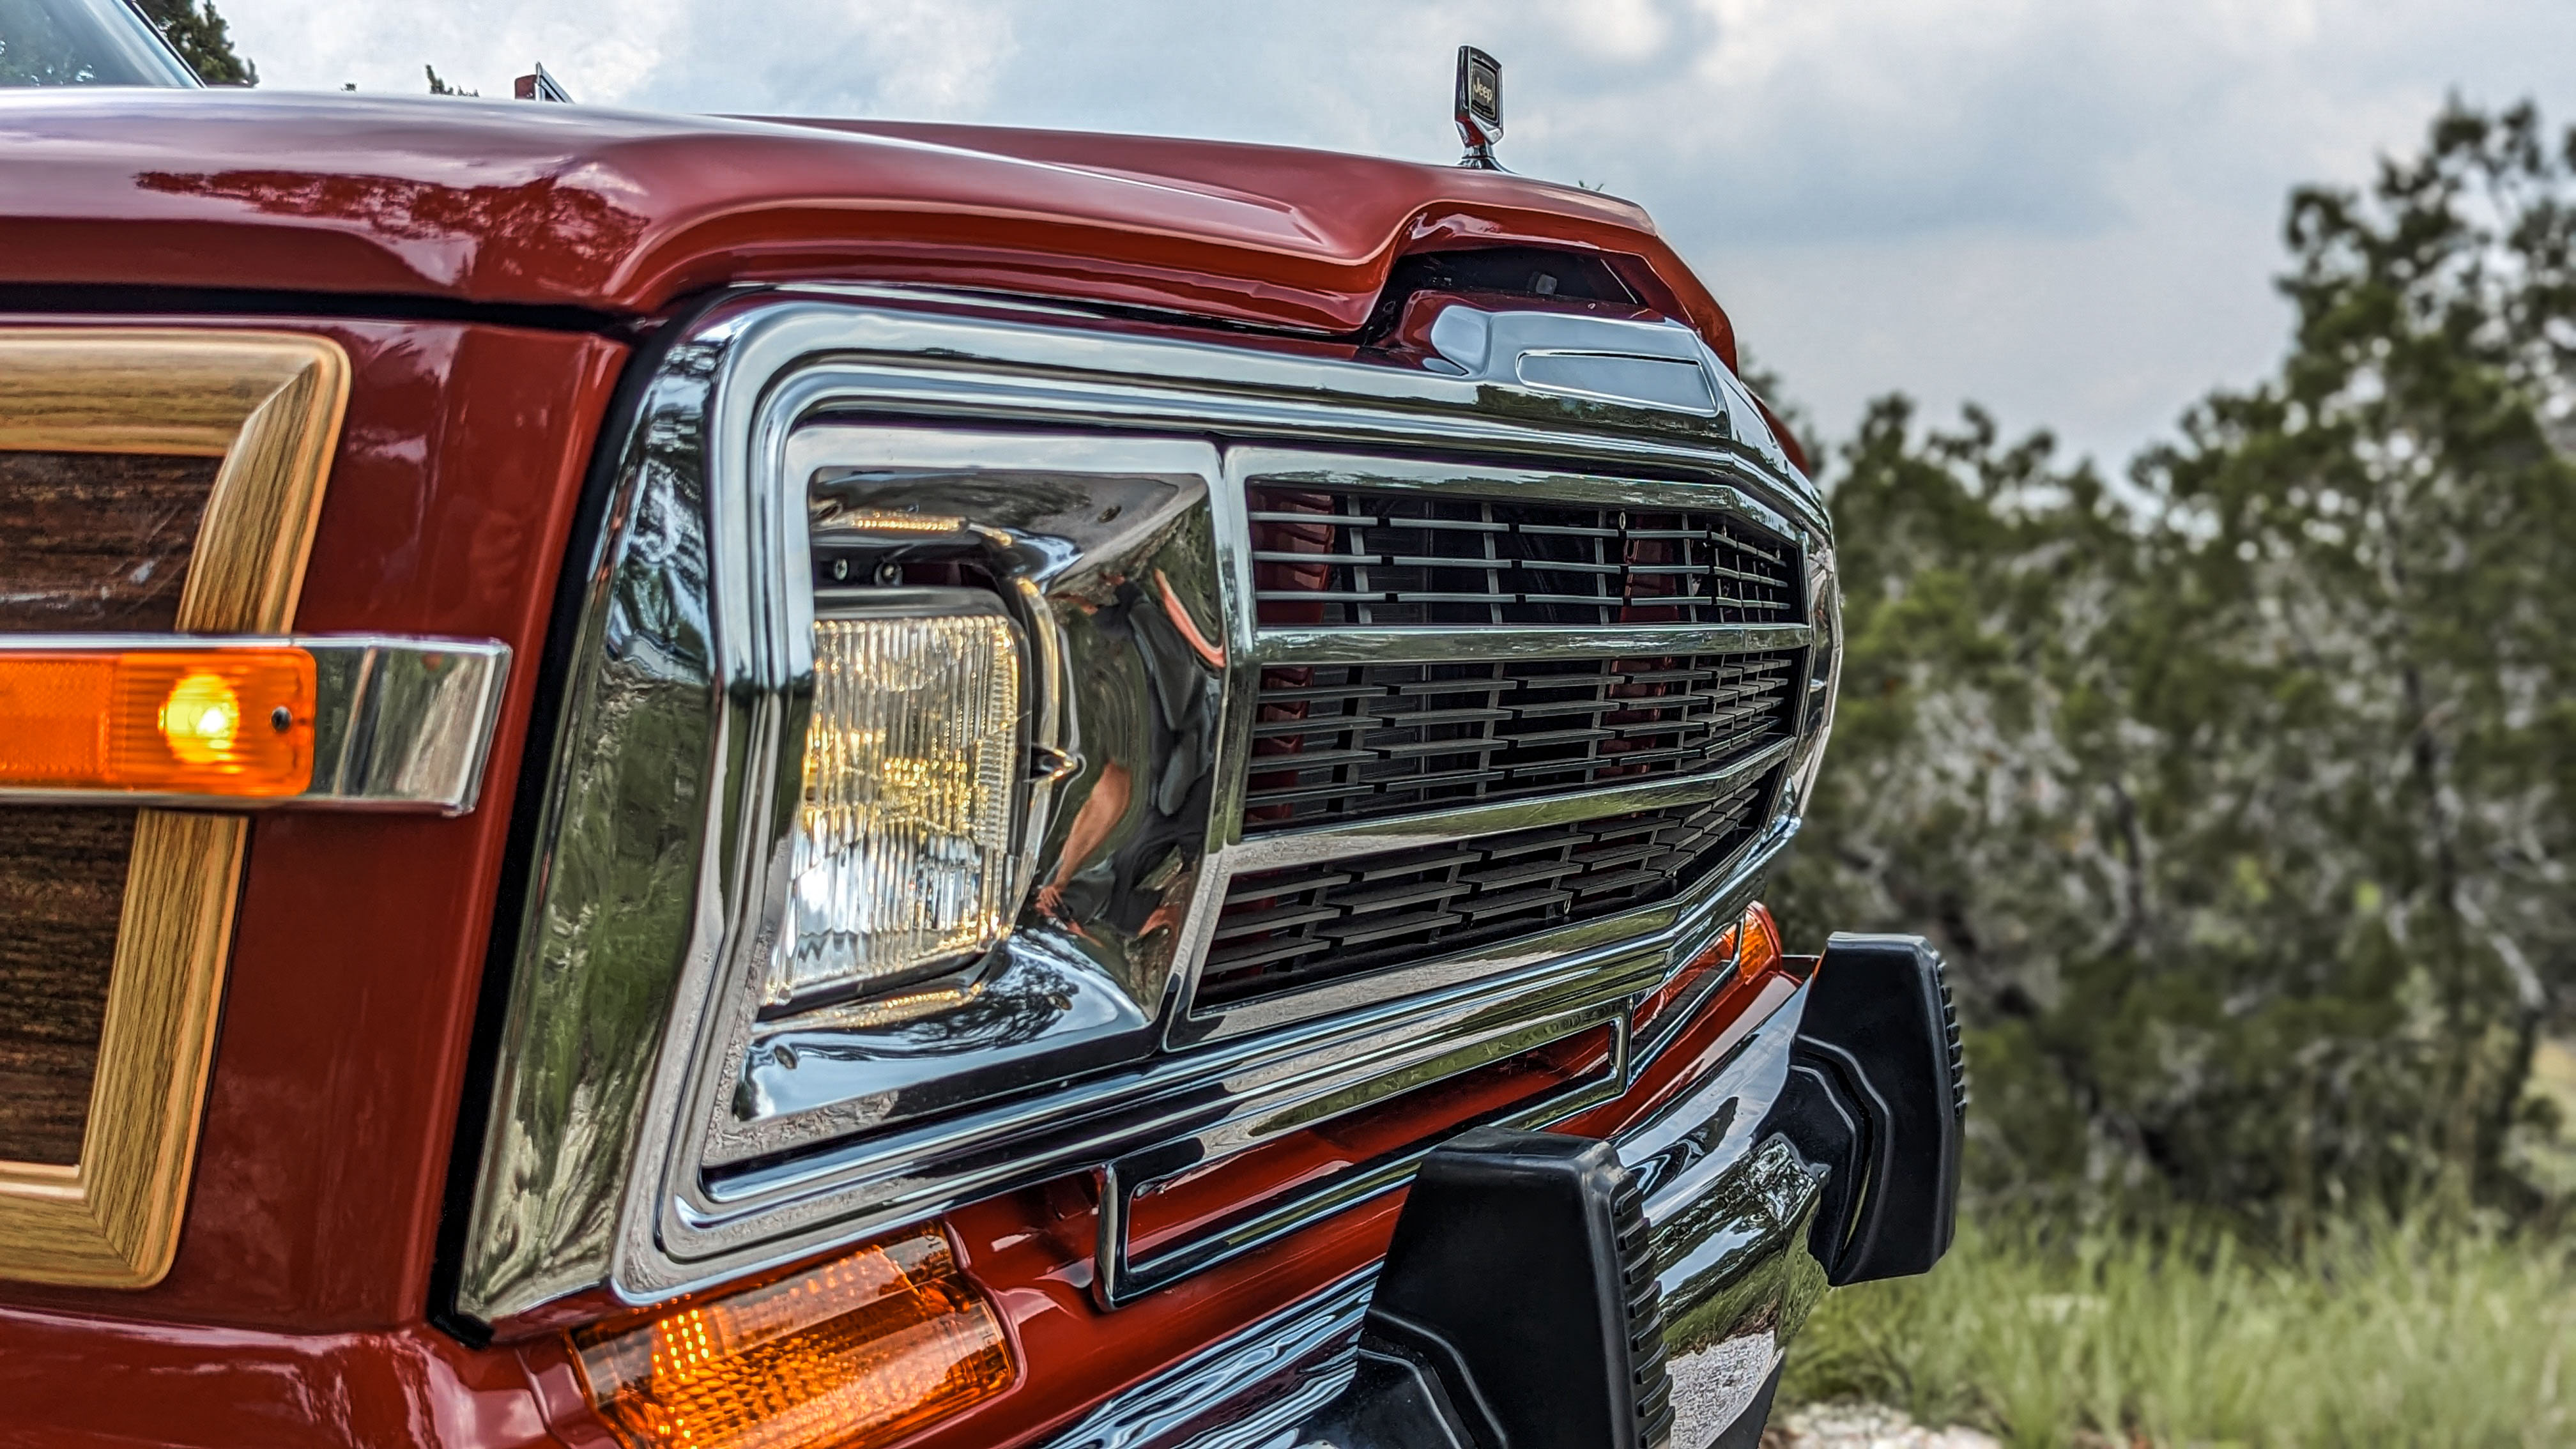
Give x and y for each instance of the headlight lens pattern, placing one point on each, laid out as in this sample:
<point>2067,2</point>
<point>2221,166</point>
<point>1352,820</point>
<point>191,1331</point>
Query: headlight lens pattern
<point>902,857</point>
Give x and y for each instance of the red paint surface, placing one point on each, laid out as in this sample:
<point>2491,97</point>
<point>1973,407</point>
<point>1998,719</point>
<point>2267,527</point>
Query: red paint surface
<point>497,201</point>
<point>294,1312</point>
<point>68,1382</point>
<point>360,939</point>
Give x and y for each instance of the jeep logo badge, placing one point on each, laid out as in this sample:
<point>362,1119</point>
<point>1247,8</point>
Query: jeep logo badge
<point>1480,106</point>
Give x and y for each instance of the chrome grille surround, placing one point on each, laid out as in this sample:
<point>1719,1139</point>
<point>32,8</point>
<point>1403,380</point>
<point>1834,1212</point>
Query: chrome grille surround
<point>654,1152</point>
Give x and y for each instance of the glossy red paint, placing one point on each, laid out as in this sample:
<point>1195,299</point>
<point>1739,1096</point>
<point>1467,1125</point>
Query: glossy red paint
<point>621,212</point>
<point>67,1381</point>
<point>360,939</point>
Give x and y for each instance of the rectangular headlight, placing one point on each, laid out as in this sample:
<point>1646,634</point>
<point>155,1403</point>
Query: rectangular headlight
<point>903,854</point>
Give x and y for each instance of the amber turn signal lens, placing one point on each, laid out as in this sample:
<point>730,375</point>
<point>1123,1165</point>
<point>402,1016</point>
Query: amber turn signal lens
<point>1761,942</point>
<point>1742,951</point>
<point>217,722</point>
<point>857,1352</point>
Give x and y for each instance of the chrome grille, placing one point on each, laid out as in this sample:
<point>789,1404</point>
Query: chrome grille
<point>1359,558</point>
<point>1284,929</point>
<point>1355,741</point>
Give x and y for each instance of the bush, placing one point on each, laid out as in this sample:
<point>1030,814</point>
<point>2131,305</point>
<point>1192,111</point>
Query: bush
<point>2412,1333</point>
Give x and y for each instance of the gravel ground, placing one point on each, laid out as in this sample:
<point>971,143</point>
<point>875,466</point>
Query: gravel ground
<point>1864,1426</point>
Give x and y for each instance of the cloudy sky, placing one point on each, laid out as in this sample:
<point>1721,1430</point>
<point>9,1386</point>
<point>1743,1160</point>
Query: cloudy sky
<point>2069,211</point>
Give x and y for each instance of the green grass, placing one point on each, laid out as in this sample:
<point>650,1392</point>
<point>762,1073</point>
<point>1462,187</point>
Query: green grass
<point>2409,1335</point>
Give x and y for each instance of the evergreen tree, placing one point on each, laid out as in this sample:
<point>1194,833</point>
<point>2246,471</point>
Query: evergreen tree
<point>2244,809</point>
<point>197,31</point>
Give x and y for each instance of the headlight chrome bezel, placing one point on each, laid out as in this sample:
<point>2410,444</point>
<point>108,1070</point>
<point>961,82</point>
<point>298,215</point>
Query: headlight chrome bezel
<point>700,1153</point>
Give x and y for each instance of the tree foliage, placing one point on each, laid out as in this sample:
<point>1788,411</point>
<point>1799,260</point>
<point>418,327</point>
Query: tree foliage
<point>197,31</point>
<point>2240,797</point>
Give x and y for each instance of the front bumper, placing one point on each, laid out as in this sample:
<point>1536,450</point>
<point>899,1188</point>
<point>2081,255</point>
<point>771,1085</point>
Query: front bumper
<point>1752,1210</point>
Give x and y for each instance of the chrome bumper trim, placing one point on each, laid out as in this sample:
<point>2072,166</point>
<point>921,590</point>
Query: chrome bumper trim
<point>1729,1216</point>
<point>1262,1380</point>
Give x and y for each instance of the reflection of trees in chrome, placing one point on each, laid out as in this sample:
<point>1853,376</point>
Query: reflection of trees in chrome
<point>1030,997</point>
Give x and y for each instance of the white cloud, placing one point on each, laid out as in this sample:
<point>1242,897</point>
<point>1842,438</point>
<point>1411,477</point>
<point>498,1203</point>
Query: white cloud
<point>2070,212</point>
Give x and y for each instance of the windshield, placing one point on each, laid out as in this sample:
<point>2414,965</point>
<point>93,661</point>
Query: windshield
<point>84,43</point>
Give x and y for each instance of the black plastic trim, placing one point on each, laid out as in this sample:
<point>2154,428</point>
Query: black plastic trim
<point>1522,1277</point>
<point>1877,1096</point>
<point>87,299</point>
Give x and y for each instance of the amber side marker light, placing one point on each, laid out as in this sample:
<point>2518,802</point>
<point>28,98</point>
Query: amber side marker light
<point>217,722</point>
<point>1760,948</point>
<point>1761,941</point>
<point>857,1352</point>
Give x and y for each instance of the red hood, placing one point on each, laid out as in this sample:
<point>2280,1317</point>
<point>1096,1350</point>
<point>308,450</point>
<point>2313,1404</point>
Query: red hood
<point>619,211</point>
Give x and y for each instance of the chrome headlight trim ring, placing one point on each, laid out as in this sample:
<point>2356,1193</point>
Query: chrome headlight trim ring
<point>603,1163</point>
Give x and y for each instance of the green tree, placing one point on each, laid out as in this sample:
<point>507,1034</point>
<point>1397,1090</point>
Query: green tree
<point>197,31</point>
<point>2244,809</point>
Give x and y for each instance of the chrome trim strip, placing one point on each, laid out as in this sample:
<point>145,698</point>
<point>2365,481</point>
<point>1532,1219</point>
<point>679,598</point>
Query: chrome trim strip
<point>1305,467</point>
<point>1223,1095</point>
<point>1243,1389</point>
<point>1317,844</point>
<point>1119,1276</point>
<point>1416,645</point>
<point>400,723</point>
<point>895,361</point>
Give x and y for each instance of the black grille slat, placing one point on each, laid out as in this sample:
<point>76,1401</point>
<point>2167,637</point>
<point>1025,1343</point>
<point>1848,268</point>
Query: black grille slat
<point>1338,741</point>
<point>1284,929</point>
<point>1361,558</point>
<point>1357,741</point>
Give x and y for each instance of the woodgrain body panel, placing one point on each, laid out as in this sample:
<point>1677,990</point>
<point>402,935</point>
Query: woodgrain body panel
<point>267,407</point>
<point>97,542</point>
<point>89,542</point>
<point>62,887</point>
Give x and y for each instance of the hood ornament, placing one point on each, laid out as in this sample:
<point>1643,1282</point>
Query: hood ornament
<point>540,87</point>
<point>1480,107</point>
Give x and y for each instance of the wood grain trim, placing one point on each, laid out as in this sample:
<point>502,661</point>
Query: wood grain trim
<point>271,405</point>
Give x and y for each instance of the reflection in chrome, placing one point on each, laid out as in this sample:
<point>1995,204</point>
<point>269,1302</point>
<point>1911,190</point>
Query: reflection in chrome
<point>399,723</point>
<point>650,1130</point>
<point>1729,1215</point>
<point>1118,1276</point>
<point>1613,359</point>
<point>1730,1218</point>
<point>1244,1390</point>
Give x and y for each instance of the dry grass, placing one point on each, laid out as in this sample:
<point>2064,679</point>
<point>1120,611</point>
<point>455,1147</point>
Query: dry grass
<point>2407,1335</point>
